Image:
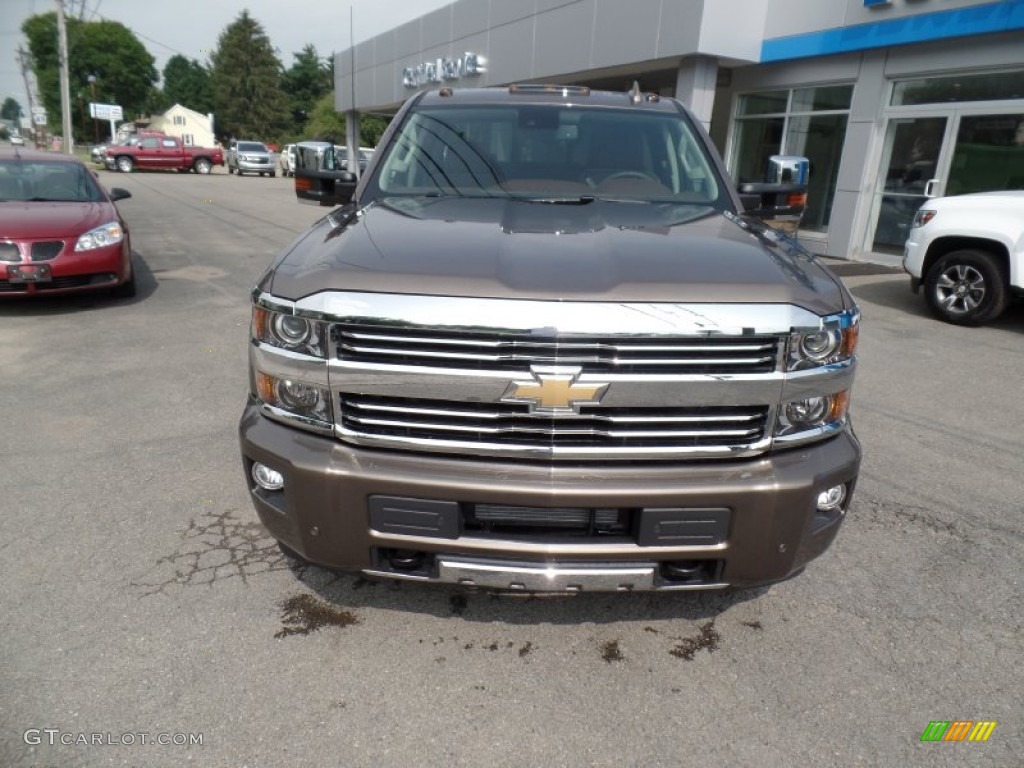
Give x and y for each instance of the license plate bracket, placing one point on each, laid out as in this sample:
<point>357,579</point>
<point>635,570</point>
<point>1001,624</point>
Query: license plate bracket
<point>29,273</point>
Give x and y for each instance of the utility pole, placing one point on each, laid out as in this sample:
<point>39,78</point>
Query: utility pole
<point>65,88</point>
<point>23,60</point>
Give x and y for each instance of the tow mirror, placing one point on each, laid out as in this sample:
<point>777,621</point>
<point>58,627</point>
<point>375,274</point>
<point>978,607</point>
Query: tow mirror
<point>783,194</point>
<point>318,179</point>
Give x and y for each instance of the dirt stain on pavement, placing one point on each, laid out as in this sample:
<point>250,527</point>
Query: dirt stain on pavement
<point>708,639</point>
<point>610,651</point>
<point>302,614</point>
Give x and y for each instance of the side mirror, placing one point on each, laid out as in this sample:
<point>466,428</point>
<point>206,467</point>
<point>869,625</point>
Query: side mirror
<point>317,178</point>
<point>117,193</point>
<point>783,194</point>
<point>325,187</point>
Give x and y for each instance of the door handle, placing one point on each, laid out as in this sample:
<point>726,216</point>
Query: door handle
<point>929,188</point>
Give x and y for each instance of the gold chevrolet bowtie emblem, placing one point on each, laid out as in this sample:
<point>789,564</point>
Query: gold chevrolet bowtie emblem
<point>554,392</point>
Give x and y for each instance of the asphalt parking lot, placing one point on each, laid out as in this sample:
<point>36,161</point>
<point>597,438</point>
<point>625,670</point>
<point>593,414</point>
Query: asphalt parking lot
<point>140,597</point>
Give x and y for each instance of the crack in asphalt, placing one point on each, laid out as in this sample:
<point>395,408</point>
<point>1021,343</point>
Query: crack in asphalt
<point>217,547</point>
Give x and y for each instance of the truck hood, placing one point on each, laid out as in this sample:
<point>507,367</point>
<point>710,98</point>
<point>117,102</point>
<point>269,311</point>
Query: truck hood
<point>590,251</point>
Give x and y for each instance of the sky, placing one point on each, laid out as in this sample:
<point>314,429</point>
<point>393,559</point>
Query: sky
<point>191,27</point>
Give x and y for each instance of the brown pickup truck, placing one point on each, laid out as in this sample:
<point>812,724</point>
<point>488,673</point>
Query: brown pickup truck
<point>162,153</point>
<point>543,347</point>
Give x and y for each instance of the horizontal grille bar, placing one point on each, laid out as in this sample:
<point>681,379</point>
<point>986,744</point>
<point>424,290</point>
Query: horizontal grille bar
<point>513,424</point>
<point>496,351</point>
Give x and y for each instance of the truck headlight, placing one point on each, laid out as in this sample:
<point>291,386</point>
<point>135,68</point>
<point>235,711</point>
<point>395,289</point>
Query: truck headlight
<point>108,234</point>
<point>291,332</point>
<point>812,416</point>
<point>922,217</point>
<point>301,400</point>
<point>834,341</point>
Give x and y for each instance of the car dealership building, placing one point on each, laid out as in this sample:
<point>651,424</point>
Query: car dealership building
<point>892,100</point>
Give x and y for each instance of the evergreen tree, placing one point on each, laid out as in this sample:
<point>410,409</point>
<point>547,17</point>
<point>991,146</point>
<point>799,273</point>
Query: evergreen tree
<point>246,74</point>
<point>187,82</point>
<point>306,81</point>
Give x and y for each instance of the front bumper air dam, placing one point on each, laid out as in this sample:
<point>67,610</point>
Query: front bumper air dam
<point>323,511</point>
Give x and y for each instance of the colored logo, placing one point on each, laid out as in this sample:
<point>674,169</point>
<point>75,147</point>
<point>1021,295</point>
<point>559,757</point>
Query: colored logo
<point>958,730</point>
<point>553,393</point>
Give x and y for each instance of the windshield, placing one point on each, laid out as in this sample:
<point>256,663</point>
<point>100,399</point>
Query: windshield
<point>550,153</point>
<point>45,181</point>
<point>251,146</point>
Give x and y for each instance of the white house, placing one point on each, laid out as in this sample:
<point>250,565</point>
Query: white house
<point>194,129</point>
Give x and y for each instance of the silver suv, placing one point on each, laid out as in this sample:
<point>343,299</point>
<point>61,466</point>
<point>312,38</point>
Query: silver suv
<point>250,157</point>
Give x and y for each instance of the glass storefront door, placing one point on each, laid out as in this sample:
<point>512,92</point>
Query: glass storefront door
<point>910,168</point>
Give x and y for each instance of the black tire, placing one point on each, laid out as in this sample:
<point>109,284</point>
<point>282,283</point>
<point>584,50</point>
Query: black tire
<point>273,174</point>
<point>261,174</point>
<point>125,164</point>
<point>202,166</point>
<point>967,287</point>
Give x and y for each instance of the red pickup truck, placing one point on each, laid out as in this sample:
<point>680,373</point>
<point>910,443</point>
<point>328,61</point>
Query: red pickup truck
<point>163,152</point>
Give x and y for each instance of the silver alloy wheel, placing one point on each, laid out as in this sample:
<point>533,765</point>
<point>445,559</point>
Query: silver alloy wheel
<point>202,165</point>
<point>960,289</point>
<point>125,164</point>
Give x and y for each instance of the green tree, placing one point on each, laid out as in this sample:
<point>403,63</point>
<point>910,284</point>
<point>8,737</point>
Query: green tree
<point>246,75</point>
<point>305,82</point>
<point>107,50</point>
<point>325,124</point>
<point>11,110</point>
<point>187,82</point>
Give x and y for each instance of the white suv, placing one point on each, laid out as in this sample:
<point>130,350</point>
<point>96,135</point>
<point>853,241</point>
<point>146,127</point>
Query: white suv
<point>287,160</point>
<point>968,252</point>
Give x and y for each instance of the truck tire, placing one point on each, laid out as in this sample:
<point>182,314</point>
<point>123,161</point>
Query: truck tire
<point>202,166</point>
<point>273,174</point>
<point>125,164</point>
<point>967,287</point>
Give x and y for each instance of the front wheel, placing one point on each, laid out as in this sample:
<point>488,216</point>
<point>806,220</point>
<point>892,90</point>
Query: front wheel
<point>202,166</point>
<point>967,287</point>
<point>125,164</point>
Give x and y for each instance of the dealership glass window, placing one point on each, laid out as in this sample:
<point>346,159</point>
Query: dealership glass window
<point>798,121</point>
<point>993,86</point>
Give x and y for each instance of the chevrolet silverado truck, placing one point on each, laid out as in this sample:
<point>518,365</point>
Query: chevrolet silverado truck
<point>541,347</point>
<point>968,253</point>
<point>162,153</point>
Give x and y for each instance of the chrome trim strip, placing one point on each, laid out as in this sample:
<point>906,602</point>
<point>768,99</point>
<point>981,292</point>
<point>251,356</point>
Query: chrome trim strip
<point>292,420</point>
<point>632,577</point>
<point>540,452</point>
<point>545,319</point>
<point>601,417</point>
<point>286,364</point>
<point>625,390</point>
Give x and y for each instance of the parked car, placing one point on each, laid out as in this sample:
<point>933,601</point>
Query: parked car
<point>287,160</point>
<point>968,253</point>
<point>250,157</point>
<point>60,231</point>
<point>17,140</point>
<point>341,157</point>
<point>163,153</point>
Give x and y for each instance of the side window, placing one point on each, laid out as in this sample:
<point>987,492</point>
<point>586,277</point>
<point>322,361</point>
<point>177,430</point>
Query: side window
<point>149,144</point>
<point>169,143</point>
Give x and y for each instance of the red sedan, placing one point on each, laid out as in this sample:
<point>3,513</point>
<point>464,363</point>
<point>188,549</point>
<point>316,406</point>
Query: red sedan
<point>60,231</point>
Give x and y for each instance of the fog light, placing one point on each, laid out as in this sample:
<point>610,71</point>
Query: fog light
<point>266,478</point>
<point>832,499</point>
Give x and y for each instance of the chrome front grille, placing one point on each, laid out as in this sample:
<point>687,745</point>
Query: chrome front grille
<point>511,426</point>
<point>496,351</point>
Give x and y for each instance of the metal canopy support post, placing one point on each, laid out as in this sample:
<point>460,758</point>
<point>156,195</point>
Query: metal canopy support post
<point>695,86</point>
